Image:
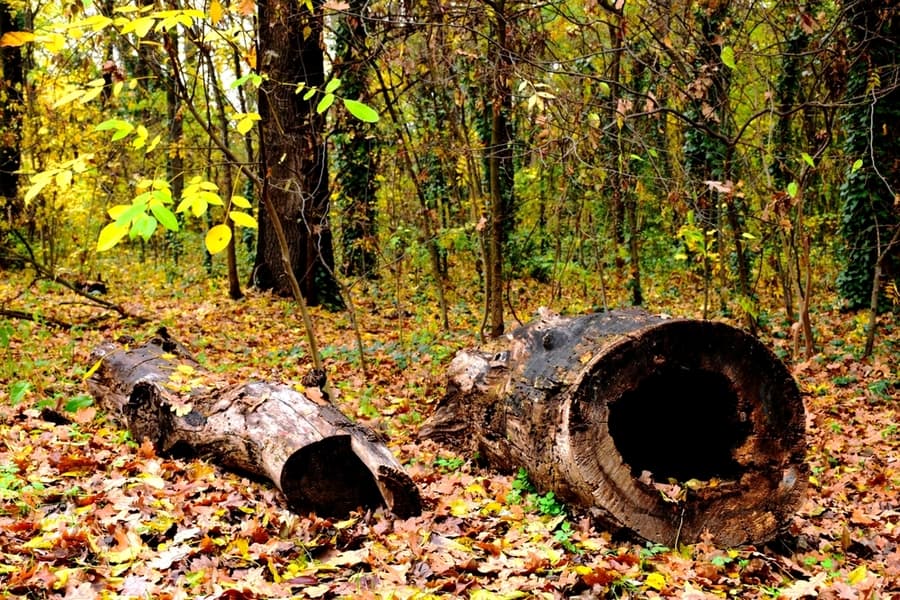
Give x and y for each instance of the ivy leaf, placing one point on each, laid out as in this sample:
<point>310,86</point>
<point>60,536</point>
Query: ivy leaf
<point>857,165</point>
<point>361,111</point>
<point>17,391</point>
<point>75,403</point>
<point>808,160</point>
<point>727,56</point>
<point>217,238</point>
<point>792,189</point>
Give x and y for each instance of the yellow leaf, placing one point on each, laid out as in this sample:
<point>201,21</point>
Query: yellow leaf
<point>245,121</point>
<point>92,370</point>
<point>181,410</point>
<point>656,581</point>
<point>16,38</point>
<point>243,219</point>
<point>240,202</point>
<point>118,209</point>
<point>62,576</point>
<point>73,95</point>
<point>215,11</point>
<point>186,369</point>
<point>129,552</point>
<point>54,42</point>
<point>857,575</point>
<point>90,95</point>
<point>475,489</point>
<point>63,179</point>
<point>459,508</point>
<point>140,26</point>
<point>153,143</point>
<point>110,236</point>
<point>217,238</point>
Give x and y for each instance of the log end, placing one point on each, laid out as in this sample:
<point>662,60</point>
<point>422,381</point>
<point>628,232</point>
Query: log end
<point>328,478</point>
<point>686,427</point>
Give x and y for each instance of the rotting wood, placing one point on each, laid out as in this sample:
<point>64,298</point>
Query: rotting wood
<point>665,427</point>
<point>315,455</point>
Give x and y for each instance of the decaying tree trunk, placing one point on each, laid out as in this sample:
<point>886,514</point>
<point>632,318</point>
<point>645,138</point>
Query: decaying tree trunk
<point>665,427</point>
<point>316,456</point>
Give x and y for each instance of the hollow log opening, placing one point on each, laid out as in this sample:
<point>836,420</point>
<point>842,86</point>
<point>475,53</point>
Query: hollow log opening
<point>681,424</point>
<point>328,478</point>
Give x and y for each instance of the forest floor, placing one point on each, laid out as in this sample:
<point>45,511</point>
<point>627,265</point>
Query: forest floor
<point>87,513</point>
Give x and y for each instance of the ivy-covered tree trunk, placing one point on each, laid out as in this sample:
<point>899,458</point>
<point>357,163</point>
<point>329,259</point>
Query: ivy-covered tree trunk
<point>293,158</point>
<point>355,149</point>
<point>11,82</point>
<point>872,129</point>
<point>707,151</point>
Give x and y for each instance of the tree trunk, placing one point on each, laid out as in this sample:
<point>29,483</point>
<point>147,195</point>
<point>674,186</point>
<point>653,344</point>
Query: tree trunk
<point>12,81</point>
<point>317,457</point>
<point>664,427</point>
<point>292,152</point>
<point>870,122</point>
<point>501,168</point>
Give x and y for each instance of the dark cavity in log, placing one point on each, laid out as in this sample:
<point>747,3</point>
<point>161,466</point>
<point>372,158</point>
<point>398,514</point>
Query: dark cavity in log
<point>680,424</point>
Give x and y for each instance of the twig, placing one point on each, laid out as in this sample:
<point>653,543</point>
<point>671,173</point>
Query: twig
<point>18,314</point>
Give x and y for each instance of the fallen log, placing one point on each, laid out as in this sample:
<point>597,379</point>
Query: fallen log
<point>668,428</point>
<point>315,455</point>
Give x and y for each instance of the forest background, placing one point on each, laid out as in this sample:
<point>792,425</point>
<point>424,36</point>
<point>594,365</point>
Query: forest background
<point>433,172</point>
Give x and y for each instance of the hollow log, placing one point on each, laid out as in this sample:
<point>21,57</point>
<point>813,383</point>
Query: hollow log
<point>665,427</point>
<point>315,455</point>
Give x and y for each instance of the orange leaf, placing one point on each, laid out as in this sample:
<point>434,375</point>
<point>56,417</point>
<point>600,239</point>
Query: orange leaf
<point>247,7</point>
<point>16,38</point>
<point>85,415</point>
<point>146,450</point>
<point>216,12</point>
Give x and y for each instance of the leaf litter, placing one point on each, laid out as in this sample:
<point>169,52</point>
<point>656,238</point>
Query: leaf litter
<point>86,512</point>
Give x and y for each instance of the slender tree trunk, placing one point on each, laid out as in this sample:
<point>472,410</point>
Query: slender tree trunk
<point>12,80</point>
<point>501,170</point>
<point>234,284</point>
<point>293,155</point>
<point>617,203</point>
<point>175,157</point>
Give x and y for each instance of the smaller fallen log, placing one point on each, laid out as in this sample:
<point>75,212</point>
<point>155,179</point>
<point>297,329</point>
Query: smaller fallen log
<point>315,455</point>
<point>668,428</point>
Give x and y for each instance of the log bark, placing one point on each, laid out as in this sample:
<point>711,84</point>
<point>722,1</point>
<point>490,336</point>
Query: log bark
<point>315,455</point>
<point>668,428</point>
